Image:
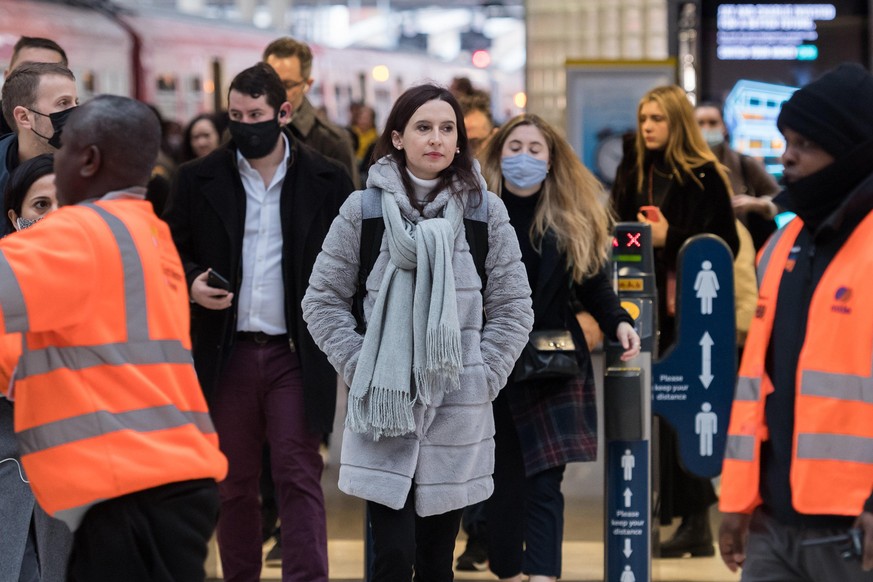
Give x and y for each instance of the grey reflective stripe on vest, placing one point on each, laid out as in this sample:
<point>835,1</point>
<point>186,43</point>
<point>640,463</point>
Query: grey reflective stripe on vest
<point>134,279</point>
<point>748,389</point>
<point>740,448</point>
<point>102,422</point>
<point>52,358</point>
<point>838,386</point>
<point>12,299</point>
<point>835,447</point>
<point>767,253</point>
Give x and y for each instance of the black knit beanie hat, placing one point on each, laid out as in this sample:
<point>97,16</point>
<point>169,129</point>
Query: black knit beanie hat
<point>835,111</point>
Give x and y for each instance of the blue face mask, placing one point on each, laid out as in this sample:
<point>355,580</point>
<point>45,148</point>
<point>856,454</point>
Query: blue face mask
<point>524,171</point>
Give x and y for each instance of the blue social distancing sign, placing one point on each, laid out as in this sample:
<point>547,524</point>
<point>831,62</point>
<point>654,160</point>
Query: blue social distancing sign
<point>693,385</point>
<point>628,512</point>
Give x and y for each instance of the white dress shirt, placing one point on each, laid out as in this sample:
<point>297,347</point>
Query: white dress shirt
<point>261,301</point>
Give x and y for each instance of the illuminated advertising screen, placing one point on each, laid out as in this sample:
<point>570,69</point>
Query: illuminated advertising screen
<point>754,54</point>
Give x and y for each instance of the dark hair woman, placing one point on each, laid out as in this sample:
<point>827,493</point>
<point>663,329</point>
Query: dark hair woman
<point>203,135</point>
<point>30,192</point>
<point>418,443</point>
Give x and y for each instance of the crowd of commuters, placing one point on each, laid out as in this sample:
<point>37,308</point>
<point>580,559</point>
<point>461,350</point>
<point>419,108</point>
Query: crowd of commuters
<point>230,272</point>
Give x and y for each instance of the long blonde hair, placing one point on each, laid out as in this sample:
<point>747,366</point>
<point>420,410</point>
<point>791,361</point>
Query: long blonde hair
<point>686,149</point>
<point>571,204</point>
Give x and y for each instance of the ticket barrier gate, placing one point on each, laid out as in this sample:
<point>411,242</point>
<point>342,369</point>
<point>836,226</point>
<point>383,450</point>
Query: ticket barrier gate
<point>627,414</point>
<point>691,387</point>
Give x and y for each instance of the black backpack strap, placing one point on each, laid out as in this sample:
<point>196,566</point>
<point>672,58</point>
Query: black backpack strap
<point>372,229</point>
<point>476,231</point>
<point>477,237</point>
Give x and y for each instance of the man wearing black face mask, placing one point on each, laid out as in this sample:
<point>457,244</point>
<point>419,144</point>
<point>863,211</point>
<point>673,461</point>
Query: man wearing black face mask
<point>37,97</point>
<point>799,460</point>
<point>31,49</point>
<point>256,212</point>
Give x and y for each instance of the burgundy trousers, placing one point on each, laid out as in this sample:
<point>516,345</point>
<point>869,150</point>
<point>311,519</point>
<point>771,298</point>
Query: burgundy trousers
<point>260,397</point>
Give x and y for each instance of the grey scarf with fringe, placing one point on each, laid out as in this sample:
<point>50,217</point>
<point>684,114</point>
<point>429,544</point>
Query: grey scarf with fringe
<point>413,334</point>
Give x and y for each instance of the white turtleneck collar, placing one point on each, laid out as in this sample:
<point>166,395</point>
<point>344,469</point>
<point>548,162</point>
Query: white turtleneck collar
<point>422,187</point>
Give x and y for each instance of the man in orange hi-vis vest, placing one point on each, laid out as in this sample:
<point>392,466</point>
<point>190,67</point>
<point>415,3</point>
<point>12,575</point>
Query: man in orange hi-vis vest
<point>799,458</point>
<point>114,431</point>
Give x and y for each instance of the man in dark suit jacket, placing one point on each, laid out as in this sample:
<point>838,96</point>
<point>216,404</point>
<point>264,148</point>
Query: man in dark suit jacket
<point>256,212</point>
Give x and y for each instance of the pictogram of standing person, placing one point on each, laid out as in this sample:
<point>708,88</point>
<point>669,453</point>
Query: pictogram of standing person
<point>707,287</point>
<point>706,425</point>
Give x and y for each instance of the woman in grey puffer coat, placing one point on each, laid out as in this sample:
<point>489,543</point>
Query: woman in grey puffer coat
<point>418,443</point>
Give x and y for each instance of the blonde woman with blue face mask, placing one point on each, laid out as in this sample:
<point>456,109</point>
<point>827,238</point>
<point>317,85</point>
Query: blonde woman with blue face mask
<point>556,208</point>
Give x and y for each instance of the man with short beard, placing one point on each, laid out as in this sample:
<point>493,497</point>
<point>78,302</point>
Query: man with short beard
<point>256,212</point>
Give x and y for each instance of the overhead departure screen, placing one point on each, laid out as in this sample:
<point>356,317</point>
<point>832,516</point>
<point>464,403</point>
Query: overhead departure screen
<point>754,54</point>
<point>788,43</point>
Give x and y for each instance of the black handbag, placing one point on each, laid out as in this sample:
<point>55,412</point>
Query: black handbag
<point>549,355</point>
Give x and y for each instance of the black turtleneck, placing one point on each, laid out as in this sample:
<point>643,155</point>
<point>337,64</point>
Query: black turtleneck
<point>521,214</point>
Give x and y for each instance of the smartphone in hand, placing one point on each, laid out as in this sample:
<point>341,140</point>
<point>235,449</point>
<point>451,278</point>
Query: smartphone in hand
<point>651,212</point>
<point>217,281</point>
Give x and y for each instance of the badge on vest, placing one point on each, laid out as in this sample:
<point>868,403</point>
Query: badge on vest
<point>842,297</point>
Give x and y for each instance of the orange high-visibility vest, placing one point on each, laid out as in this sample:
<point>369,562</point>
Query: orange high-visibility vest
<point>107,400</point>
<point>832,457</point>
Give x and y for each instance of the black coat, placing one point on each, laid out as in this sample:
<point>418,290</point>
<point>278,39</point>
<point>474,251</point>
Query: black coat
<point>206,215</point>
<point>690,210</point>
<point>556,421</point>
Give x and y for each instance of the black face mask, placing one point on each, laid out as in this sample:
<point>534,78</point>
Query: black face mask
<point>58,119</point>
<point>816,197</point>
<point>255,140</point>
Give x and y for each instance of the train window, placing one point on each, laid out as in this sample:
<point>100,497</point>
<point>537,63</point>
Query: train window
<point>166,82</point>
<point>196,84</point>
<point>754,102</point>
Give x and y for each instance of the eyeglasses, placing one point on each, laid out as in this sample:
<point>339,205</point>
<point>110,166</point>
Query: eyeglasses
<point>293,84</point>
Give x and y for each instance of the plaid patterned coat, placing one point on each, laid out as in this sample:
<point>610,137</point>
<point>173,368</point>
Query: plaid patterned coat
<point>557,421</point>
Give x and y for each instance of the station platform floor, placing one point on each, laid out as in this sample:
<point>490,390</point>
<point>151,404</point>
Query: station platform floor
<point>583,527</point>
<point>583,539</point>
